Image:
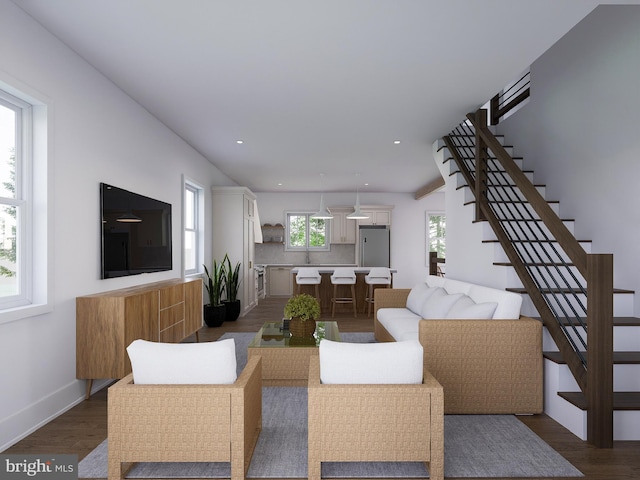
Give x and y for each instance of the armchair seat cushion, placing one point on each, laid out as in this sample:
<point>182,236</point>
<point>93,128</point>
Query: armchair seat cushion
<point>183,363</point>
<point>371,363</point>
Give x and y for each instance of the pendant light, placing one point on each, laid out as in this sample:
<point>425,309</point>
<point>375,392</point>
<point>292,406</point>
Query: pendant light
<point>357,214</point>
<point>128,217</point>
<point>323,213</point>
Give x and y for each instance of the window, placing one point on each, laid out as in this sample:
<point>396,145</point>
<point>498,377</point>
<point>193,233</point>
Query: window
<point>306,233</point>
<point>193,228</point>
<point>24,207</point>
<point>436,234</point>
<point>10,201</point>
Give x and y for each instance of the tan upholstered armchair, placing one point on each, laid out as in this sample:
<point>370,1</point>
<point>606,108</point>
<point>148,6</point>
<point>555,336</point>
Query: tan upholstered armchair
<point>375,423</point>
<point>185,423</point>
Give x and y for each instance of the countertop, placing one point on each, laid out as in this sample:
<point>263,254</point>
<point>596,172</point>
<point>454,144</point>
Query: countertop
<point>331,268</point>
<point>313,265</point>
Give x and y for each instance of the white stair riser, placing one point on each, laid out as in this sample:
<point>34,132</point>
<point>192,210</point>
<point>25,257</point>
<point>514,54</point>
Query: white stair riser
<point>626,378</point>
<point>454,165</point>
<point>547,275</point>
<point>539,229</point>
<point>622,306</point>
<point>625,339</point>
<point>566,414</point>
<point>626,424</point>
<point>499,194</point>
<point>530,252</point>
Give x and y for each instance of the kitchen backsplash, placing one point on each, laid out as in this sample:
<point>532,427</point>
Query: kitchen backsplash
<point>274,254</point>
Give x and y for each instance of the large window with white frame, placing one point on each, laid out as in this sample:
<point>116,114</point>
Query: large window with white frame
<point>14,206</point>
<point>193,227</point>
<point>306,233</point>
<point>23,184</point>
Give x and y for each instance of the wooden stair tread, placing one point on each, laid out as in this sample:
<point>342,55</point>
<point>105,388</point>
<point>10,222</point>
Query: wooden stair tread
<point>617,321</point>
<point>546,264</point>
<point>533,241</point>
<point>621,400</point>
<point>563,290</point>
<point>619,358</point>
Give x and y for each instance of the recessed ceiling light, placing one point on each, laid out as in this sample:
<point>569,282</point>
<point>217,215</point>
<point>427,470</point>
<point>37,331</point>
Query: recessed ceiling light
<point>396,142</point>
<point>239,142</point>
<point>279,184</point>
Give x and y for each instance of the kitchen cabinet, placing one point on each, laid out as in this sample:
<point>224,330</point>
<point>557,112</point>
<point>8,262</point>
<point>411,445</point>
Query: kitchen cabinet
<point>279,281</point>
<point>377,215</point>
<point>343,230</point>
<point>233,234</point>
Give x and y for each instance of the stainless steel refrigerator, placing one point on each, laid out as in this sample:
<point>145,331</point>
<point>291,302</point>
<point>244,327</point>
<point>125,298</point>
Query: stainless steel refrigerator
<point>374,246</point>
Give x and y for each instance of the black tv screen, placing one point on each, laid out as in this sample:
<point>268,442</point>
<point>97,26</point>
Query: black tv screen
<point>136,233</point>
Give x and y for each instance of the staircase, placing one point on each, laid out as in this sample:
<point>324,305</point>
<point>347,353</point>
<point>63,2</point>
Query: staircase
<point>541,259</point>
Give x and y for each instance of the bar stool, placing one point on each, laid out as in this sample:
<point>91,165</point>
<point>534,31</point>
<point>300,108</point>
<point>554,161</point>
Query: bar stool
<point>343,276</point>
<point>376,276</point>
<point>309,276</point>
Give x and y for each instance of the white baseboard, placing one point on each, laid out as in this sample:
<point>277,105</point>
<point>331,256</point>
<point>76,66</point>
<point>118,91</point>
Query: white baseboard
<point>26,421</point>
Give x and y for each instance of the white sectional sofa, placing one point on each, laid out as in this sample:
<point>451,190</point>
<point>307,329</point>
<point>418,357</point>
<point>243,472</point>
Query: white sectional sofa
<point>487,357</point>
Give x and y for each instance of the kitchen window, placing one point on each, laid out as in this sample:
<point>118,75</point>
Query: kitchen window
<point>306,233</point>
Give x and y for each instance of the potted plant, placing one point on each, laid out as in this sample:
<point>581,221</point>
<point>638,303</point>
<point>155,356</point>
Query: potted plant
<point>303,310</point>
<point>214,311</point>
<point>232,286</point>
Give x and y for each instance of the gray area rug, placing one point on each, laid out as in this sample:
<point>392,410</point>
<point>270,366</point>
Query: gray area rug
<point>475,445</point>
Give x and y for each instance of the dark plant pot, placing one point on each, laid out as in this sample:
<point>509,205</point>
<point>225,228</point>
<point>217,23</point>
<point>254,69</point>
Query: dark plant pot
<point>214,315</point>
<point>233,310</point>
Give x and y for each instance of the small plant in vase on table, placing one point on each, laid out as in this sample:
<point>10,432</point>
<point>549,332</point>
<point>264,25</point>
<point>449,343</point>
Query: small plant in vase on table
<point>303,310</point>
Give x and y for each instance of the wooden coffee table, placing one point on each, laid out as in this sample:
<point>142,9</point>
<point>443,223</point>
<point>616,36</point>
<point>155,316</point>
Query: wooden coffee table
<point>285,359</point>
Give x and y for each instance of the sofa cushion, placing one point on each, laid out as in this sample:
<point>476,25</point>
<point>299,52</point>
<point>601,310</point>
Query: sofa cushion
<point>418,295</point>
<point>183,363</point>
<point>465,308</point>
<point>509,303</point>
<point>399,322</point>
<point>439,304</point>
<point>370,363</point>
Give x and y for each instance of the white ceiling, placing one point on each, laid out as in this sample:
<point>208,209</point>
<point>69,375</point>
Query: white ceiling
<point>312,87</point>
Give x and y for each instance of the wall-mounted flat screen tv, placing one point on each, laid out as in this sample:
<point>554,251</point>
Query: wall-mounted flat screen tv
<point>136,233</point>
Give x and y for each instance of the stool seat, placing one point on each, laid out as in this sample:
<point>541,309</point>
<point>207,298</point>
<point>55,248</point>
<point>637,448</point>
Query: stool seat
<point>309,276</point>
<point>377,276</point>
<point>343,276</point>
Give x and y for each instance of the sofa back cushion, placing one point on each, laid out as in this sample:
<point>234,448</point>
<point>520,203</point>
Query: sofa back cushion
<point>508,303</point>
<point>438,304</point>
<point>183,363</point>
<point>370,363</point>
<point>466,309</point>
<point>418,295</point>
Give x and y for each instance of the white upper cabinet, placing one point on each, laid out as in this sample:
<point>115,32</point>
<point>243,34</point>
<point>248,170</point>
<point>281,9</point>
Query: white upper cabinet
<point>343,230</point>
<point>377,215</point>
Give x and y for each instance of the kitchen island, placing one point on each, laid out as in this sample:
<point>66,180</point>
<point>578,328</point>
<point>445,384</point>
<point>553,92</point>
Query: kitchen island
<point>326,287</point>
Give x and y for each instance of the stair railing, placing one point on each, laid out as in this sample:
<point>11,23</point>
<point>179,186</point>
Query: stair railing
<point>543,251</point>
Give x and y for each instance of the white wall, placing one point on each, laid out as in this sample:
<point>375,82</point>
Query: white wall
<point>408,223</point>
<point>579,133</point>
<point>98,134</point>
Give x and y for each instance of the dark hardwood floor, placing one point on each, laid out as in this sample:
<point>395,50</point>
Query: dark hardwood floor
<point>82,428</point>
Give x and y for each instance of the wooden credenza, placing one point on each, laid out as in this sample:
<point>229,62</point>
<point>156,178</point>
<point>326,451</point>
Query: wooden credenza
<point>107,322</point>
